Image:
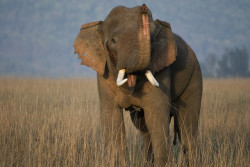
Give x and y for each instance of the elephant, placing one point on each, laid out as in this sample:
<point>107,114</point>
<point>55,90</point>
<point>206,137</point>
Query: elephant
<point>146,69</point>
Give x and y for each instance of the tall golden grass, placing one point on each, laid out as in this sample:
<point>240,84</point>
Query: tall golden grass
<point>55,122</point>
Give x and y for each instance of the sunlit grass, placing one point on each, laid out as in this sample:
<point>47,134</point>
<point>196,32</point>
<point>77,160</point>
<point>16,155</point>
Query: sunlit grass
<point>55,122</point>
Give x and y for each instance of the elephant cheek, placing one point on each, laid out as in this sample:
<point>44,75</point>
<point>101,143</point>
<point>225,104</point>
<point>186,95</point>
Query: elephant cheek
<point>131,82</point>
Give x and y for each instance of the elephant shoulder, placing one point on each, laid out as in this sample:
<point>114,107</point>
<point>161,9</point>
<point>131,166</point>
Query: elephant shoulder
<point>181,46</point>
<point>185,54</point>
<point>182,69</point>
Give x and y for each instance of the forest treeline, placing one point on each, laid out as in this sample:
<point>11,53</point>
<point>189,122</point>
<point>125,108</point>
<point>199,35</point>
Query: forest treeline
<point>234,62</point>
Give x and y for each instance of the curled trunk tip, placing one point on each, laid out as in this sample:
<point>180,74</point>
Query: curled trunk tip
<point>144,8</point>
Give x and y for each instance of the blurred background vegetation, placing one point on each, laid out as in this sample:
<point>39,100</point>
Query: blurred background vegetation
<point>36,37</point>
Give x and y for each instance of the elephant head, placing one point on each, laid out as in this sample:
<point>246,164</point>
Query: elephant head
<point>129,42</point>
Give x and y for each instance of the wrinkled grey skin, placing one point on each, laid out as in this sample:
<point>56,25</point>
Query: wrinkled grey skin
<point>114,44</point>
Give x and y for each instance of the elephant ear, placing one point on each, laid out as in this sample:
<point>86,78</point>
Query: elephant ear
<point>88,45</point>
<point>164,48</point>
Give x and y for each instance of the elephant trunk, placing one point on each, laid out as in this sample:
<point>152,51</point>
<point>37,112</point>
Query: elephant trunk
<point>144,54</point>
<point>141,58</point>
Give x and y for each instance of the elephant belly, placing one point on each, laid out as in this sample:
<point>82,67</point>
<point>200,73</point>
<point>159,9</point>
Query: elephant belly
<point>135,110</point>
<point>137,117</point>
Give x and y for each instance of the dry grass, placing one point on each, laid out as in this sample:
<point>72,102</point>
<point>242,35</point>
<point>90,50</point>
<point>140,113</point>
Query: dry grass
<point>55,122</point>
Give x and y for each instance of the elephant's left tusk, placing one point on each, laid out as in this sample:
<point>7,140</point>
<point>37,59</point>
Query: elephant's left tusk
<point>120,78</point>
<point>121,82</point>
<point>151,78</point>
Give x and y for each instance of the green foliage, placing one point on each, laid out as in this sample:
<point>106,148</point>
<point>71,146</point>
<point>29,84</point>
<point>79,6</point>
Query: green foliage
<point>209,65</point>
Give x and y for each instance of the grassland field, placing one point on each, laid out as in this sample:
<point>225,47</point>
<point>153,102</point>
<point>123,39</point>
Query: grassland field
<point>55,122</point>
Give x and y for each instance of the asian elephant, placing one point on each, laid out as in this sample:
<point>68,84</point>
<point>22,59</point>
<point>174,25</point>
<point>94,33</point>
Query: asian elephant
<point>146,69</point>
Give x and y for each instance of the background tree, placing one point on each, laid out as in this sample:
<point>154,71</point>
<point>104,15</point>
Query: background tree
<point>210,65</point>
<point>234,63</point>
<point>238,62</point>
<point>223,66</point>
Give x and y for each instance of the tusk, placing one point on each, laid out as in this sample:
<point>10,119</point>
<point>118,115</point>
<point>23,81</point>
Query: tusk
<point>121,82</point>
<point>120,78</point>
<point>151,78</point>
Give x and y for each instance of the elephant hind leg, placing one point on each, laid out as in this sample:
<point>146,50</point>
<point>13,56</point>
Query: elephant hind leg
<point>176,128</point>
<point>188,110</point>
<point>176,131</point>
<point>187,129</point>
<point>138,119</point>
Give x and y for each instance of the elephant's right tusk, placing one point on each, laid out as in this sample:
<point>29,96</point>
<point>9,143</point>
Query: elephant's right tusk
<point>151,78</point>
<point>120,78</point>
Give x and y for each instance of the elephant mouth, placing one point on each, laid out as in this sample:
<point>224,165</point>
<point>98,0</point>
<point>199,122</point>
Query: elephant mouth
<point>131,78</point>
<point>131,81</point>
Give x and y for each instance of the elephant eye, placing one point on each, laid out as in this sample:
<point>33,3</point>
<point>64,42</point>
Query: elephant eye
<point>113,40</point>
<point>151,39</point>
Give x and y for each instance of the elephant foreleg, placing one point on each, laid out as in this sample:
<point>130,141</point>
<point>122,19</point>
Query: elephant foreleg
<point>112,124</point>
<point>157,121</point>
<point>137,117</point>
<point>148,147</point>
<point>113,130</point>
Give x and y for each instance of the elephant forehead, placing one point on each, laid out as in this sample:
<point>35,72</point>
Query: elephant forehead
<point>119,27</point>
<point>120,21</point>
<point>122,11</point>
